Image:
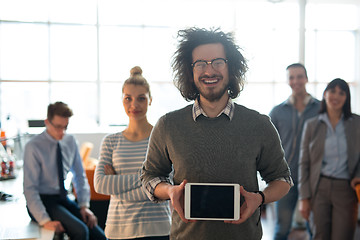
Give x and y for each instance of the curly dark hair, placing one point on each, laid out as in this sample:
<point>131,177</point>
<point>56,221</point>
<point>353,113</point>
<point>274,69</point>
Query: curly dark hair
<point>191,38</point>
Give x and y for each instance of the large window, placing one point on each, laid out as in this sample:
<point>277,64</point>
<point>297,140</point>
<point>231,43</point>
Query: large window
<point>81,51</point>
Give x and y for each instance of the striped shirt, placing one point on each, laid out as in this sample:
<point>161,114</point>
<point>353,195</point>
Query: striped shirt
<point>131,214</point>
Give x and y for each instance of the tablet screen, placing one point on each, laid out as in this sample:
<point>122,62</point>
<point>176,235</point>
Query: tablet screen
<point>210,201</point>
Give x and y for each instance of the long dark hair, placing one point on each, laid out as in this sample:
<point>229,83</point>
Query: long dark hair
<point>343,86</point>
<point>181,64</point>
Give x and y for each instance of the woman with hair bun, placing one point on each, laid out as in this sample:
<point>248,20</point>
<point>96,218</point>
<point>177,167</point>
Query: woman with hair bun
<point>131,214</point>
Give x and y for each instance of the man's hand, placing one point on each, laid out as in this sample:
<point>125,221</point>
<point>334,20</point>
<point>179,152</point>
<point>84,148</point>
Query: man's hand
<point>355,181</point>
<point>88,217</point>
<point>54,226</point>
<point>175,194</point>
<point>304,208</point>
<point>251,203</point>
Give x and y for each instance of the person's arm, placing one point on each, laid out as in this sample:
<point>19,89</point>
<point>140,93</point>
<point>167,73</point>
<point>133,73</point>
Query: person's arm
<point>273,117</point>
<point>88,217</point>
<point>274,191</point>
<point>356,174</point>
<point>79,179</point>
<point>54,226</point>
<point>82,188</point>
<point>274,170</point>
<point>128,187</point>
<point>304,208</point>
<point>32,171</point>
<point>175,193</point>
<point>355,181</point>
<point>304,174</point>
<point>157,167</point>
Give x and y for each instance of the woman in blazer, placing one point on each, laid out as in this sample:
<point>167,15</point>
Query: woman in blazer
<point>329,166</point>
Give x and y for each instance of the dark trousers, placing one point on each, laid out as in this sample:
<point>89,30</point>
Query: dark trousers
<point>68,213</point>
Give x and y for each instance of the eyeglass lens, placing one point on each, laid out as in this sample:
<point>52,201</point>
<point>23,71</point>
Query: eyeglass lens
<point>218,64</point>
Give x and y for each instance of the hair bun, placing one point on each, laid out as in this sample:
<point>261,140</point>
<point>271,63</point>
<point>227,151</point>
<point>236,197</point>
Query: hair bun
<point>135,71</point>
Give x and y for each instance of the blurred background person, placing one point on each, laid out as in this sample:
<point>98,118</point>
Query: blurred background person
<point>131,214</point>
<point>289,118</point>
<point>330,166</point>
<point>48,157</point>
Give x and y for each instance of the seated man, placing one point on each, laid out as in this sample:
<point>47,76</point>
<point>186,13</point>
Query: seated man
<point>48,157</point>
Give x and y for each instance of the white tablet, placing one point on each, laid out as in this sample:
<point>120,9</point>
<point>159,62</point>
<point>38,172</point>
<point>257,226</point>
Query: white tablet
<point>212,201</point>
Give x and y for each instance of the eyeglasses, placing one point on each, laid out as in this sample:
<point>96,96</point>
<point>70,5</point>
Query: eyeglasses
<point>217,64</point>
<point>59,127</point>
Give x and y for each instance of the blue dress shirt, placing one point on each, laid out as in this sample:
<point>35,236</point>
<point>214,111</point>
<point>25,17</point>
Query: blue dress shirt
<point>335,150</point>
<point>41,176</point>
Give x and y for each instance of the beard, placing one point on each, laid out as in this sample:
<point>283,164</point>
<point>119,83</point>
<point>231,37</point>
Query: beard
<point>212,94</point>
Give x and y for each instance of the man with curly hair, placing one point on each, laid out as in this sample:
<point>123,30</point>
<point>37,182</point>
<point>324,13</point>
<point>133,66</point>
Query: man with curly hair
<point>214,140</point>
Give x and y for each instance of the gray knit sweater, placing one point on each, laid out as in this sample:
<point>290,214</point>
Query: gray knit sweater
<point>216,150</point>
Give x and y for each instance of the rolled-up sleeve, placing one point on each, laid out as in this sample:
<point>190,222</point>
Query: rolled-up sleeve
<point>157,167</point>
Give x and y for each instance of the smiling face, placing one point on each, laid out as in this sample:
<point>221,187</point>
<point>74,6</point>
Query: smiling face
<point>135,101</point>
<point>335,99</point>
<point>211,84</point>
<point>297,80</point>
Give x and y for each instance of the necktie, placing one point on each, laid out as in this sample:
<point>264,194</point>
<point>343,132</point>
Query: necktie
<point>63,192</point>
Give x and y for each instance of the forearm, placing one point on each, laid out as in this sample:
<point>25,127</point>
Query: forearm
<point>31,186</point>
<point>135,195</point>
<point>126,187</point>
<point>36,206</point>
<point>116,184</point>
<point>275,190</point>
<point>81,184</point>
<point>162,191</point>
<point>304,208</point>
<point>304,167</point>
